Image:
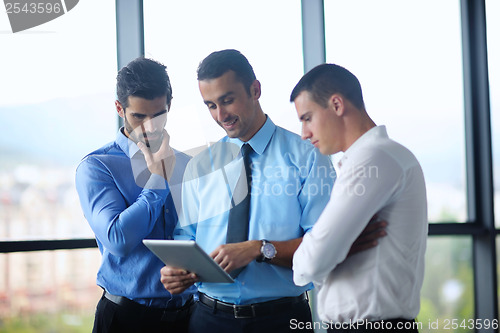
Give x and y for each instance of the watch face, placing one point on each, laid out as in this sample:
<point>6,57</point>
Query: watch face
<point>269,250</point>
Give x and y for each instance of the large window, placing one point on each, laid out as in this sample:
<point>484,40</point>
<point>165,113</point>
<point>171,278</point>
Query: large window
<point>408,59</point>
<point>57,87</point>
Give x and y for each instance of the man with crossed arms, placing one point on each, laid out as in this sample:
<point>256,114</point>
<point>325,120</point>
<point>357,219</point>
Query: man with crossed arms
<point>376,175</point>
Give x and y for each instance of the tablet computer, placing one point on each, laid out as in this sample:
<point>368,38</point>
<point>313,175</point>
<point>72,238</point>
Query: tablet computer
<point>189,256</point>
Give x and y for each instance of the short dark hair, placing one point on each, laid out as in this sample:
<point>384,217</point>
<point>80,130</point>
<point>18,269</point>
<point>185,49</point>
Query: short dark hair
<point>145,78</point>
<point>327,79</point>
<point>218,63</point>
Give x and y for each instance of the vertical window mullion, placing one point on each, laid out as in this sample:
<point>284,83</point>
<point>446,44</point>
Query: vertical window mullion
<point>313,33</point>
<point>129,33</point>
<point>479,156</point>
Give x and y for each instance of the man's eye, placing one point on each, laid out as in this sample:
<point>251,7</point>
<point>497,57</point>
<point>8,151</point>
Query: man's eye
<point>139,116</point>
<point>227,101</point>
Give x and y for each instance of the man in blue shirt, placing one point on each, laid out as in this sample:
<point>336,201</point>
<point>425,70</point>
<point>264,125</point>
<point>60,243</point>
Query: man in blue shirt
<point>291,184</point>
<point>126,198</point>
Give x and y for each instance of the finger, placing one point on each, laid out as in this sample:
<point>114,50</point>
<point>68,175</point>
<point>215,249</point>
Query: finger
<point>215,252</point>
<point>178,278</point>
<point>363,244</point>
<point>221,261</point>
<point>165,150</point>
<point>172,286</point>
<point>226,265</point>
<point>166,156</point>
<point>374,226</point>
<point>371,236</point>
<point>176,289</point>
<point>179,284</point>
<point>166,138</point>
<point>143,133</point>
<point>169,270</point>
<point>147,153</point>
<point>362,247</point>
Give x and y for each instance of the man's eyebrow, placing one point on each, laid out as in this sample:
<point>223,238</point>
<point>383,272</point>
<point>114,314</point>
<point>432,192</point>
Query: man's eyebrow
<point>160,113</point>
<point>220,98</point>
<point>223,97</point>
<point>133,113</point>
<point>304,115</point>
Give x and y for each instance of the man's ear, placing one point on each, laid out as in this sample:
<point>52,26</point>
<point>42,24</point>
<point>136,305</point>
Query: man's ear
<point>336,104</point>
<point>255,89</point>
<point>120,109</point>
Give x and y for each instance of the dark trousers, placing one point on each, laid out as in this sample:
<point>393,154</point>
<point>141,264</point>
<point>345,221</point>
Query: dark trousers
<point>205,320</point>
<point>114,318</point>
<point>392,325</point>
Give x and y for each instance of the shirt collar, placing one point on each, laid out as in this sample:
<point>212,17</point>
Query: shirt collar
<point>261,139</point>
<point>372,134</point>
<point>128,146</point>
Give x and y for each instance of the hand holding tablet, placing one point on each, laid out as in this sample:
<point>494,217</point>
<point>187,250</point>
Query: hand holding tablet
<point>189,256</point>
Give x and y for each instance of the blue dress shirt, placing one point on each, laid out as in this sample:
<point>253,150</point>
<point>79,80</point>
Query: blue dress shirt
<point>291,184</point>
<point>124,204</point>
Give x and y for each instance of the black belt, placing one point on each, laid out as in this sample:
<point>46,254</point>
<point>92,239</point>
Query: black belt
<point>252,310</point>
<point>162,313</point>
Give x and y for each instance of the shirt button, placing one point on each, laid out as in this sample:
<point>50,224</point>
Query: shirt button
<point>167,210</point>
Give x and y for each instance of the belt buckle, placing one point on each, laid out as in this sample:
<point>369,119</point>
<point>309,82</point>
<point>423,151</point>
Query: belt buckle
<point>238,311</point>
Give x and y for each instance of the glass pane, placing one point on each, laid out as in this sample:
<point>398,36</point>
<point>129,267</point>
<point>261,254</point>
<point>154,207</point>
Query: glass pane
<point>49,291</point>
<point>407,56</point>
<point>57,105</point>
<point>268,33</point>
<point>493,33</point>
<point>448,289</point>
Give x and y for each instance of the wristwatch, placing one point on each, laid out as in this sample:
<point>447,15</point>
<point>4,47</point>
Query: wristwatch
<point>267,251</point>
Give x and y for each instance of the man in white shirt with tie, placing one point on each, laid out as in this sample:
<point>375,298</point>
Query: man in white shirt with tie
<point>376,290</point>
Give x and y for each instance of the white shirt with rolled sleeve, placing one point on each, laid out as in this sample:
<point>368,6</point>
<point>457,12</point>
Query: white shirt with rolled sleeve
<point>376,176</point>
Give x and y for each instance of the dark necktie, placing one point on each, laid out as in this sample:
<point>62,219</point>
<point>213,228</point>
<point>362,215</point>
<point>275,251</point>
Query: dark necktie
<point>237,228</point>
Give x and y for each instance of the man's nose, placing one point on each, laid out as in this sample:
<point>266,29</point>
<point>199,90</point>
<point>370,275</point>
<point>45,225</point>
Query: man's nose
<point>221,113</point>
<point>306,133</point>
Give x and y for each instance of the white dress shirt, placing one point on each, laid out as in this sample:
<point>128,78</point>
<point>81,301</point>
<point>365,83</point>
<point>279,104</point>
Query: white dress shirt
<point>376,176</point>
